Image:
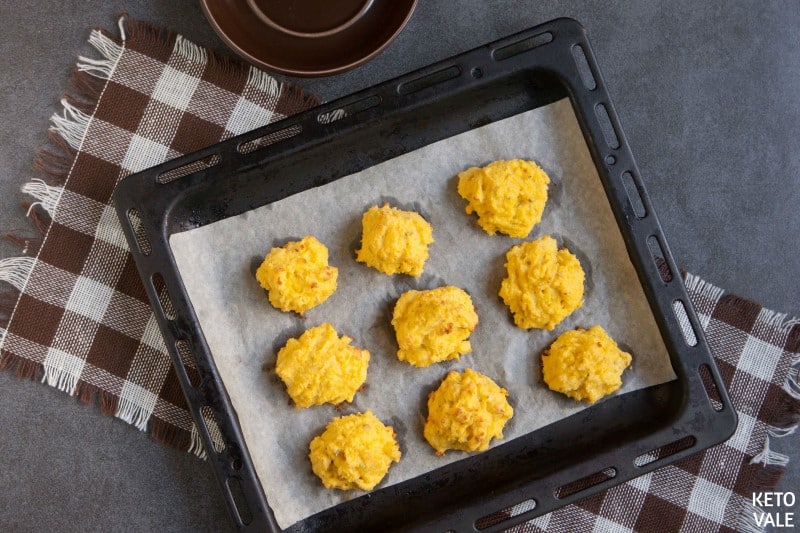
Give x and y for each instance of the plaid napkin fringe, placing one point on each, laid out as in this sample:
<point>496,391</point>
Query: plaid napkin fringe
<point>86,88</point>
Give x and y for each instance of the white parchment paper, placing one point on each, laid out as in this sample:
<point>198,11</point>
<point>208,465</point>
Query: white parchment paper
<point>217,264</point>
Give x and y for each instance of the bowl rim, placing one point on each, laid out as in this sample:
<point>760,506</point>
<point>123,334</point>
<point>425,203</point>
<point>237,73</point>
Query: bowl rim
<point>307,73</point>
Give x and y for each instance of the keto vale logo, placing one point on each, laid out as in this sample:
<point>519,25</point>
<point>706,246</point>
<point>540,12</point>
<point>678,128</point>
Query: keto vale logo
<point>776,509</point>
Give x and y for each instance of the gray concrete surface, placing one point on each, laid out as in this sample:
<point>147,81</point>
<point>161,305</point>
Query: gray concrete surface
<point>708,95</point>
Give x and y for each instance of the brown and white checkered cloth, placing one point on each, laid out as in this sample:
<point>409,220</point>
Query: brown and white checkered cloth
<point>79,319</point>
<point>82,322</point>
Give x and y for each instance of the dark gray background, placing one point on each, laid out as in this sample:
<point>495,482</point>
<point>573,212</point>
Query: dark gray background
<point>708,94</point>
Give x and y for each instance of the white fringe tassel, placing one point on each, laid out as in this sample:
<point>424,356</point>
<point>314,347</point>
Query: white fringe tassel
<point>57,377</point>
<point>190,51</point>
<point>263,82</point>
<point>121,24</point>
<point>698,285</point>
<point>196,446</point>
<point>72,125</point>
<point>133,414</point>
<point>779,433</point>
<point>109,50</point>
<point>46,195</point>
<point>747,518</point>
<point>792,385</point>
<point>769,457</point>
<point>707,293</point>
<point>780,321</point>
<point>16,271</point>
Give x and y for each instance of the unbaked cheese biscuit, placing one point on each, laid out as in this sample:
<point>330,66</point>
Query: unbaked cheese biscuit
<point>544,284</point>
<point>394,241</point>
<point>507,196</point>
<point>584,364</point>
<point>297,275</point>
<point>320,367</point>
<point>354,452</point>
<point>433,325</point>
<point>466,412</point>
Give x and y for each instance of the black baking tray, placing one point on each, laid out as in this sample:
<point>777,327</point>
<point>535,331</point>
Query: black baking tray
<point>609,443</point>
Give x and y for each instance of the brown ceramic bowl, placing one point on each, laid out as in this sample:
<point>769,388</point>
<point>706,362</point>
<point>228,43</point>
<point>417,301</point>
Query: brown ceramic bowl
<point>308,37</point>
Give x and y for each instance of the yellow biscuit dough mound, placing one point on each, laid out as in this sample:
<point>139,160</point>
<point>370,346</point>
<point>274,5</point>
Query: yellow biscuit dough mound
<point>466,412</point>
<point>508,196</point>
<point>297,275</point>
<point>433,325</point>
<point>544,284</point>
<point>394,241</point>
<point>354,451</point>
<point>320,367</point>
<point>584,364</point>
